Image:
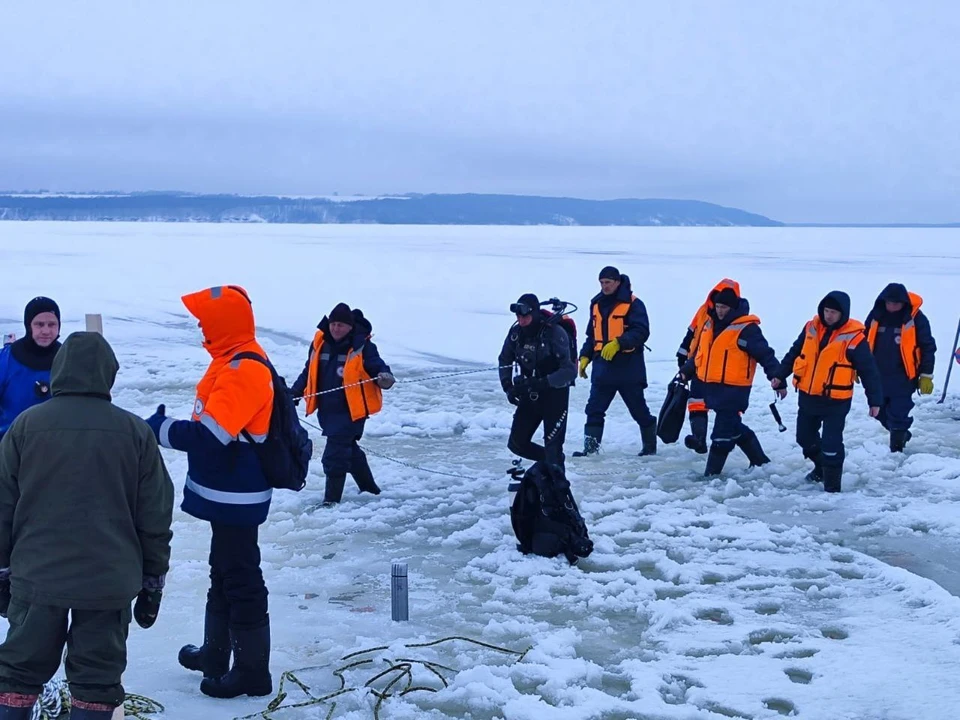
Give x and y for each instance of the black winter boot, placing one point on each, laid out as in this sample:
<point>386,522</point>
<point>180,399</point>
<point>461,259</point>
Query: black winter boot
<point>715,461</point>
<point>213,657</point>
<point>591,442</point>
<point>813,454</point>
<point>250,674</point>
<point>20,707</point>
<point>648,439</point>
<point>333,492</point>
<point>750,444</point>
<point>364,476</point>
<point>898,440</point>
<point>697,439</point>
<point>831,478</point>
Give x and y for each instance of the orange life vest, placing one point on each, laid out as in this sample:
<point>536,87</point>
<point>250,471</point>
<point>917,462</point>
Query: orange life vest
<point>606,330</point>
<point>828,372</point>
<point>703,313</point>
<point>363,400</point>
<point>720,359</point>
<point>909,350</point>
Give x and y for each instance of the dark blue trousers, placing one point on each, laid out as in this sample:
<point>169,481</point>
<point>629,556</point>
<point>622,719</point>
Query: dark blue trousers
<point>895,412</point>
<point>599,402</point>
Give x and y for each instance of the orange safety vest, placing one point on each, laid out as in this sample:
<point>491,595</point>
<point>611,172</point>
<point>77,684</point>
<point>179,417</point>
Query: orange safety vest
<point>827,372</point>
<point>606,330</point>
<point>363,400</point>
<point>907,340</point>
<point>703,313</point>
<point>720,359</point>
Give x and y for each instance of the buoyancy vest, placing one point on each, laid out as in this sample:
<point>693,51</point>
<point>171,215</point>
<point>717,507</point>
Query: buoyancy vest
<point>907,338</point>
<point>611,327</point>
<point>364,398</point>
<point>720,359</point>
<point>827,372</point>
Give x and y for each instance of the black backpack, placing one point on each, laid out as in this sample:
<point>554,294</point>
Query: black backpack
<point>545,517</point>
<point>285,454</point>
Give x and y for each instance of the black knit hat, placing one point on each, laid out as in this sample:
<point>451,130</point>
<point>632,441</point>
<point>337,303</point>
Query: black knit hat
<point>342,314</point>
<point>728,297</point>
<point>35,307</point>
<point>609,273</point>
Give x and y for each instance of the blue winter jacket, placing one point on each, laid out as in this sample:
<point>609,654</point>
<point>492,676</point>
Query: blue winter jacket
<point>887,350</point>
<point>21,386</point>
<point>332,411</point>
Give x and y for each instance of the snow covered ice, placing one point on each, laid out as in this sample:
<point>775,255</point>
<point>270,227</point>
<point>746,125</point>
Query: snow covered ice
<point>753,595</point>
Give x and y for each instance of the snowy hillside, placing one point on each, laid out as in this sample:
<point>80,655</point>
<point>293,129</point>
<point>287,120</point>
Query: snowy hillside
<point>754,595</point>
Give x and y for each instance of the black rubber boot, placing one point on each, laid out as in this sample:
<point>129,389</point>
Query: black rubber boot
<point>591,442</point>
<point>333,492</point>
<point>213,657</point>
<point>898,440</point>
<point>750,444</point>
<point>715,461</point>
<point>815,475</point>
<point>364,476</point>
<point>697,439</point>
<point>648,440</point>
<point>250,674</point>
<point>831,478</point>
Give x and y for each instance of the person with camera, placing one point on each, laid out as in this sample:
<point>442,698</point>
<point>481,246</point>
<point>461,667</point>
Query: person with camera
<point>540,346</point>
<point>86,507</point>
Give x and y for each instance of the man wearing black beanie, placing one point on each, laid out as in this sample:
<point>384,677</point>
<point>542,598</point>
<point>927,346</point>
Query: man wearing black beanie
<point>616,334</point>
<point>341,381</point>
<point>25,364</point>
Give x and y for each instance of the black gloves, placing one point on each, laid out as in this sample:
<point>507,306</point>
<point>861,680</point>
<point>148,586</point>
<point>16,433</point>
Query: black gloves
<point>4,591</point>
<point>147,606</point>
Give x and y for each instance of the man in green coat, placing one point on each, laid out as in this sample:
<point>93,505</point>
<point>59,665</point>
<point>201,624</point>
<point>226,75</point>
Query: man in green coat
<point>86,506</point>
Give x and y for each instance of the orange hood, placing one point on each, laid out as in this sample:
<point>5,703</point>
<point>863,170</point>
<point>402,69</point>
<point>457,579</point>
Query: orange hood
<point>226,317</point>
<point>725,283</point>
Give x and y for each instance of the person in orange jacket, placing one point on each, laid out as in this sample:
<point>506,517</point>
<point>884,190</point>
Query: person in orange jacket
<point>226,486</point>
<point>729,350</point>
<point>343,364</point>
<point>901,341</point>
<point>696,406</point>
<point>826,360</point>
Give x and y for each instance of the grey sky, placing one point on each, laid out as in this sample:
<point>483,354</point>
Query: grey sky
<point>804,111</point>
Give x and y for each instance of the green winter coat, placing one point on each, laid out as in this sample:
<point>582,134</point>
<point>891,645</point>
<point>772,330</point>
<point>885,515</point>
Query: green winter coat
<point>86,502</point>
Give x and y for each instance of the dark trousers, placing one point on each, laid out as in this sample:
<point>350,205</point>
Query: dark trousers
<point>237,589</point>
<point>550,408</point>
<point>895,412</point>
<point>826,448</point>
<point>727,429</point>
<point>96,642</point>
<point>599,402</point>
<point>342,455</point>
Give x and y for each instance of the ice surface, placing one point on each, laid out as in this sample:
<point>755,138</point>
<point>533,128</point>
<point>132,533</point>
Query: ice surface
<point>753,595</point>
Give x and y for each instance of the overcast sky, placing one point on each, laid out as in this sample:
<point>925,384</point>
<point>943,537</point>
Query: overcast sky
<point>813,111</point>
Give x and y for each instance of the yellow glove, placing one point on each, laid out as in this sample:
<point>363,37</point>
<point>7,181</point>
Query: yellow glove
<point>926,385</point>
<point>610,349</point>
<point>584,361</point>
